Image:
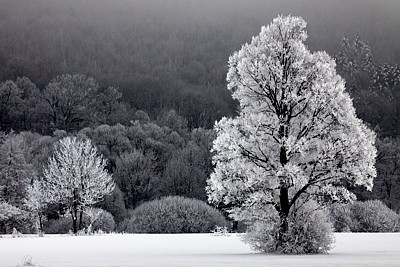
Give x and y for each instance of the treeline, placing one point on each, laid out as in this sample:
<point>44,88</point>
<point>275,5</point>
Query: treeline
<point>170,54</point>
<point>148,159</point>
<point>68,102</point>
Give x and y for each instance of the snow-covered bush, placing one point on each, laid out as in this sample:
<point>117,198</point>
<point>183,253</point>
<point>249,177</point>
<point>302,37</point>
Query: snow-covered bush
<point>13,217</point>
<point>104,221</point>
<point>309,231</point>
<point>340,216</point>
<point>173,214</point>
<point>373,216</point>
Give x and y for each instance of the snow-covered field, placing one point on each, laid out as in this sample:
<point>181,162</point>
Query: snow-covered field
<point>190,250</point>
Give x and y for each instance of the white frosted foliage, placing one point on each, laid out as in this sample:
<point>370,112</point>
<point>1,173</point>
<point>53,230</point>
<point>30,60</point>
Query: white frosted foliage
<point>76,175</point>
<point>297,128</point>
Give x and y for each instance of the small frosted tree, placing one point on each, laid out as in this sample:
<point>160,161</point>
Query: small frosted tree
<point>76,177</point>
<point>36,203</point>
<point>296,137</point>
<point>15,172</point>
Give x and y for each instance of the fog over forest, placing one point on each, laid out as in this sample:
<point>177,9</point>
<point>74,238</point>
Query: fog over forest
<point>163,54</point>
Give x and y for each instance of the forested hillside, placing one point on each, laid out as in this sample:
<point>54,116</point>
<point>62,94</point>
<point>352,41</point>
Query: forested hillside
<point>165,54</point>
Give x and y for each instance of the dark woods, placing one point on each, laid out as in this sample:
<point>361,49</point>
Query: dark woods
<point>170,54</point>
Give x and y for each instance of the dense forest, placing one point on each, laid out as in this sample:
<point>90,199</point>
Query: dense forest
<point>145,81</point>
<point>171,54</point>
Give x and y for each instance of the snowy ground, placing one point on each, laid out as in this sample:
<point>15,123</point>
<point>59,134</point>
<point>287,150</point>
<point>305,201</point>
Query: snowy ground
<point>190,250</point>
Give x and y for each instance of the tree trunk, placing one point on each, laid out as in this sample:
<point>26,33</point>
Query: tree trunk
<point>74,221</point>
<point>40,225</point>
<point>81,219</point>
<point>74,212</point>
<point>235,225</point>
<point>284,192</point>
<point>283,214</point>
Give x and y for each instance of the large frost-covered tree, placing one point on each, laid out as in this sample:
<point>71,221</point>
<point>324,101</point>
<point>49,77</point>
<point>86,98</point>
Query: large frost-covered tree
<point>76,177</point>
<point>296,137</point>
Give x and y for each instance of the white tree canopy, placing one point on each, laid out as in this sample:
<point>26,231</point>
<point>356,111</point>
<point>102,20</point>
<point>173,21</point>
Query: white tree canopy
<point>35,198</point>
<point>76,175</point>
<point>297,132</point>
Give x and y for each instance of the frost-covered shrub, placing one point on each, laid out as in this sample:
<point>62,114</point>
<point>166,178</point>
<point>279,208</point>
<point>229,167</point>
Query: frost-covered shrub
<point>368,216</point>
<point>309,231</point>
<point>13,217</point>
<point>373,216</point>
<point>104,221</point>
<point>340,216</point>
<point>173,214</point>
